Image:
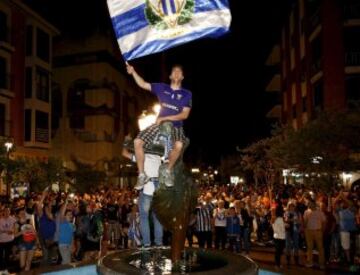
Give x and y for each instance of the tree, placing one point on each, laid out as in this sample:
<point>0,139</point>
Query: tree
<point>324,147</point>
<point>256,158</point>
<point>86,177</point>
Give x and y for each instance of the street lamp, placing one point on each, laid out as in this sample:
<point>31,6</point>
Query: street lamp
<point>8,145</point>
<point>149,118</point>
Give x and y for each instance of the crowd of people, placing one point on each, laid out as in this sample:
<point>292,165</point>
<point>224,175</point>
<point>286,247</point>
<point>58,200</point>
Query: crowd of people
<point>293,218</point>
<point>82,227</point>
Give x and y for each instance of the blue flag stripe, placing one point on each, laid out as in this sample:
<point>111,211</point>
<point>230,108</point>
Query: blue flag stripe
<point>160,45</point>
<point>206,5</point>
<point>165,7</point>
<point>172,4</point>
<point>130,21</point>
<point>134,19</point>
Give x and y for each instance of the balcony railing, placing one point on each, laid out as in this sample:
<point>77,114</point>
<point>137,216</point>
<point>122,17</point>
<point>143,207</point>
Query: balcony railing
<point>352,11</point>
<point>42,135</point>
<point>5,127</point>
<point>6,81</point>
<point>352,58</point>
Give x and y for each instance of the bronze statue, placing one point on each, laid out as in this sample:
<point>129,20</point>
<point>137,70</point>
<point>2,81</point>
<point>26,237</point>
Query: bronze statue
<point>173,205</point>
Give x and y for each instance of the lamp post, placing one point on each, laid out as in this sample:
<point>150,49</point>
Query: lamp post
<point>8,146</point>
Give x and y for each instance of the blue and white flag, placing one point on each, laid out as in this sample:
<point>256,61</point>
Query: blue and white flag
<point>144,27</point>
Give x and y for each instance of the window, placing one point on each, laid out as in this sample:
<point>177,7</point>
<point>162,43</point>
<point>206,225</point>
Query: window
<point>313,13</point>
<point>56,106</point>
<point>316,54</point>
<point>29,40</point>
<point>76,99</point>
<point>42,127</point>
<point>304,105</point>
<point>3,74</point>
<point>302,25</point>
<point>303,70</point>
<point>2,119</point>
<point>28,83</point>
<point>27,125</point>
<point>43,45</point>
<point>319,96</point>
<point>77,122</point>
<point>294,111</point>
<point>3,27</point>
<point>351,9</point>
<point>352,46</point>
<point>353,88</point>
<point>42,84</point>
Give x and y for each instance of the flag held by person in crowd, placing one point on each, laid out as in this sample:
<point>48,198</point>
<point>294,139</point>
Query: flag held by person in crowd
<point>143,27</point>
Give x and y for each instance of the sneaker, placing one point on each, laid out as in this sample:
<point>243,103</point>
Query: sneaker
<point>168,178</point>
<point>142,179</point>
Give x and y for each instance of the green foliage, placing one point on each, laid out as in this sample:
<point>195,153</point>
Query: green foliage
<point>332,140</point>
<point>86,177</point>
<point>187,12</point>
<point>256,158</point>
<point>38,174</point>
<point>157,21</point>
<point>150,15</point>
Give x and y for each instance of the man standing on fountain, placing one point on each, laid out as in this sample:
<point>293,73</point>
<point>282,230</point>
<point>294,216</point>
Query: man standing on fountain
<point>176,104</point>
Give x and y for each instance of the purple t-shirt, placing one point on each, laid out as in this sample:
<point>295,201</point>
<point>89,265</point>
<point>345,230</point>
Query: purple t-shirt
<point>172,101</point>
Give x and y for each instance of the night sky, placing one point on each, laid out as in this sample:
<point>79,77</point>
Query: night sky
<point>227,76</point>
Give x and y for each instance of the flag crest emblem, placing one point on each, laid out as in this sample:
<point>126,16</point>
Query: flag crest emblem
<point>165,14</point>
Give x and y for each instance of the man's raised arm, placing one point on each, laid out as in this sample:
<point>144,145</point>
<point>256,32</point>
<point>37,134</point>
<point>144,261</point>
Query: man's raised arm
<point>138,79</point>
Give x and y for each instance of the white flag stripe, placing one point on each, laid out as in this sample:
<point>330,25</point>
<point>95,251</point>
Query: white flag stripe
<point>203,20</point>
<point>116,7</point>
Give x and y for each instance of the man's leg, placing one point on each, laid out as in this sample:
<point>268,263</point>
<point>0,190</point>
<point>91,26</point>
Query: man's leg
<point>208,239</point>
<point>320,247</point>
<point>139,154</point>
<point>310,246</point>
<point>144,208</point>
<point>201,239</point>
<point>140,158</point>
<point>158,230</point>
<point>175,154</point>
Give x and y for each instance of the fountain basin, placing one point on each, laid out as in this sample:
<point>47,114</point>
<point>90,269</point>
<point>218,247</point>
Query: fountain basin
<point>158,261</point>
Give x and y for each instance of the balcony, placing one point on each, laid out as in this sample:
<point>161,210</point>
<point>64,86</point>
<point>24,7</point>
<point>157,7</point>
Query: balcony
<point>352,10</point>
<point>275,112</point>
<point>42,135</point>
<point>5,128</point>
<point>274,84</point>
<point>352,59</point>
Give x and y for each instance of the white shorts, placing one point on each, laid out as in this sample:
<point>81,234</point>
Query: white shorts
<point>345,240</point>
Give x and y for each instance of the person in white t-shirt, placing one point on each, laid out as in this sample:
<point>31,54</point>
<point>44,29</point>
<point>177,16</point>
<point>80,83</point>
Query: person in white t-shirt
<point>279,234</point>
<point>220,225</point>
<point>151,168</point>
<point>7,235</point>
